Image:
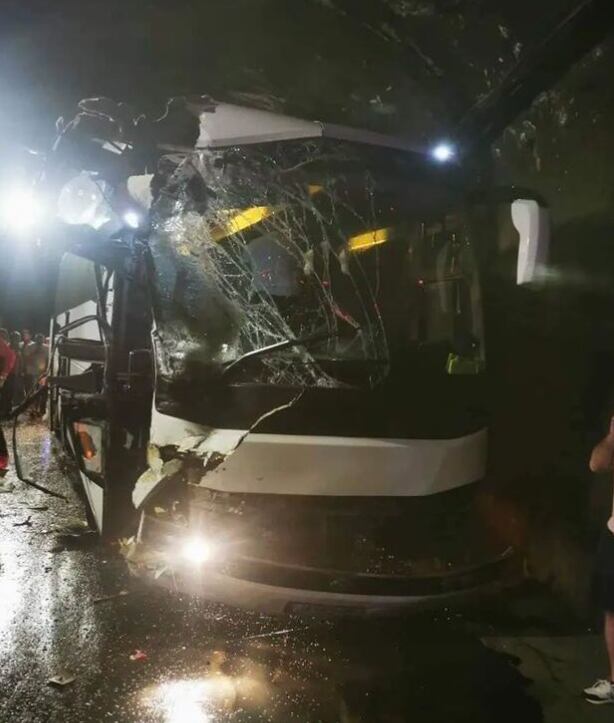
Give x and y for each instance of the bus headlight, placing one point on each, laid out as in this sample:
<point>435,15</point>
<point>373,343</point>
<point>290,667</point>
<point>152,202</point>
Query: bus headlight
<point>20,210</point>
<point>197,550</point>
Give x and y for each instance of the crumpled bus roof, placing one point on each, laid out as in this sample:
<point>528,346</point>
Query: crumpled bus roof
<point>225,124</point>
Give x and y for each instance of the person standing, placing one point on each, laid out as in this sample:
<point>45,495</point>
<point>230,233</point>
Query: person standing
<point>36,357</point>
<point>12,392</point>
<point>6,395</point>
<point>42,362</point>
<point>17,347</point>
<point>31,354</point>
<point>602,460</point>
<point>26,343</point>
<point>7,362</point>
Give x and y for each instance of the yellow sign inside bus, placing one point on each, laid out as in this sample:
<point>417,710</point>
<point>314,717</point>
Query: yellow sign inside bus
<point>365,241</point>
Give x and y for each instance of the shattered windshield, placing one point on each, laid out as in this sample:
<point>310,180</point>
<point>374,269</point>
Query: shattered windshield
<point>301,264</point>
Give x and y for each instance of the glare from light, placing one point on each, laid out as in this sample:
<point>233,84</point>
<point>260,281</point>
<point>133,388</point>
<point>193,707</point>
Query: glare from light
<point>443,152</point>
<point>20,210</point>
<point>132,219</point>
<point>197,551</point>
<point>182,701</point>
<point>203,700</point>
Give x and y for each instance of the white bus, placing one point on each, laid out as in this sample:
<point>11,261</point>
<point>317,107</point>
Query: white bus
<point>270,363</point>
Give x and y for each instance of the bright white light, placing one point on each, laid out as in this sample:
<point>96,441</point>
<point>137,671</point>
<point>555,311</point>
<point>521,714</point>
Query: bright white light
<point>212,698</point>
<point>443,152</point>
<point>132,219</point>
<point>182,701</point>
<point>19,209</point>
<point>196,550</point>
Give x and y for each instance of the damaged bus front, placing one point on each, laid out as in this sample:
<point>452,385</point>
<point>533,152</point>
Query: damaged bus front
<point>312,435</point>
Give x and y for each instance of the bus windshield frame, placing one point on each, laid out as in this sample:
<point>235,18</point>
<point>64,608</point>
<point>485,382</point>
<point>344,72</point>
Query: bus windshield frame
<point>260,246</point>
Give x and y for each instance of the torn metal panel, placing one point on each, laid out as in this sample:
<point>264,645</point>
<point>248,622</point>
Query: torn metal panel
<point>167,430</point>
<point>211,448</point>
<point>222,441</point>
<point>141,558</point>
<point>157,472</point>
<point>224,124</point>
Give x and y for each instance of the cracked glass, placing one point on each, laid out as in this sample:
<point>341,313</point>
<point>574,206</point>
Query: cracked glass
<point>307,264</point>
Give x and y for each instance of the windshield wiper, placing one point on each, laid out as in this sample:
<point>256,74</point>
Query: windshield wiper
<point>285,344</point>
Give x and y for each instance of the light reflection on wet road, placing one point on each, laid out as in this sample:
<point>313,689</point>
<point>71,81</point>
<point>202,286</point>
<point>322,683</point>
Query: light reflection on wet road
<point>206,663</point>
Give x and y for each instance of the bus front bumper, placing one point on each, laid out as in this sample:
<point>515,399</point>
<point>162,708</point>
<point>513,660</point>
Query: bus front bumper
<point>275,589</point>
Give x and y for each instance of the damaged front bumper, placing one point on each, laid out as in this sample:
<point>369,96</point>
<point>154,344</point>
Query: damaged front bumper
<point>273,600</point>
<point>276,550</point>
<point>281,587</point>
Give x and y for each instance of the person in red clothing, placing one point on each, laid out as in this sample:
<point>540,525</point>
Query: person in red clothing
<point>7,362</point>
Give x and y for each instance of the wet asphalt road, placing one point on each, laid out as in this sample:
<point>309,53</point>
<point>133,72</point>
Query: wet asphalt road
<point>207,663</point>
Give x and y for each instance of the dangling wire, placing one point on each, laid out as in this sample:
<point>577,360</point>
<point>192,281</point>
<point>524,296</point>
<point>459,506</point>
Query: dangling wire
<point>30,399</point>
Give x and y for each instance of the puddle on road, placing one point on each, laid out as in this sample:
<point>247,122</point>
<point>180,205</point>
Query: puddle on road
<point>376,671</point>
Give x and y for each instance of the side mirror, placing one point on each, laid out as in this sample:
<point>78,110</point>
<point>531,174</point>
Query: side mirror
<point>532,222</point>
